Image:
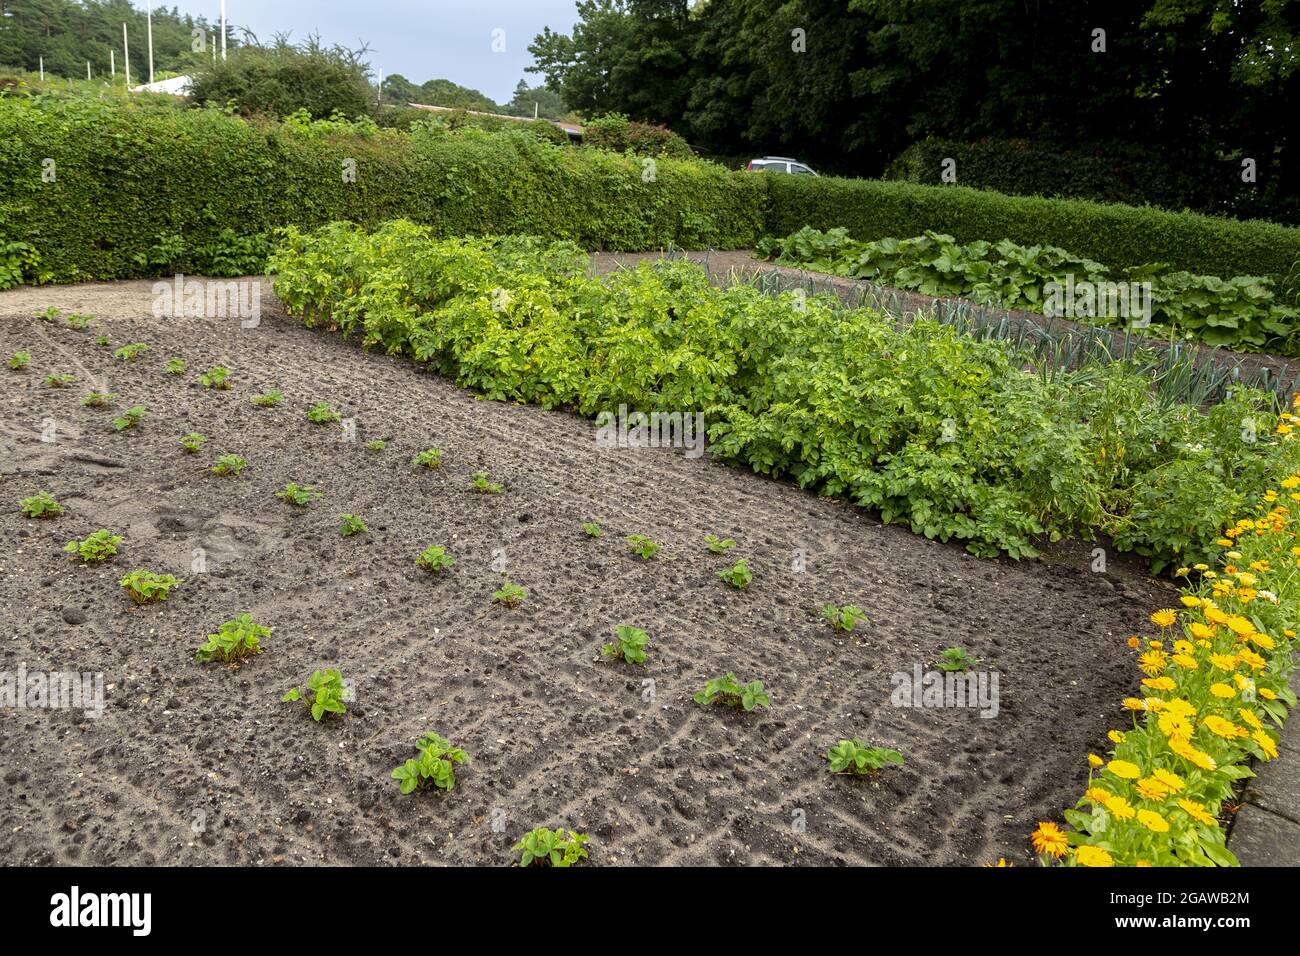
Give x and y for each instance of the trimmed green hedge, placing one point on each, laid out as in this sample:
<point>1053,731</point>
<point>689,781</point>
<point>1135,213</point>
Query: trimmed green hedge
<point>1114,235</point>
<point>145,189</point>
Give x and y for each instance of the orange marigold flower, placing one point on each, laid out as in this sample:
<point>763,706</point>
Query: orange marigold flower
<point>1165,617</point>
<point>1049,840</point>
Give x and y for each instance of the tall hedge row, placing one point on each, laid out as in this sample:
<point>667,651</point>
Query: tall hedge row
<point>1115,235</point>
<point>145,188</point>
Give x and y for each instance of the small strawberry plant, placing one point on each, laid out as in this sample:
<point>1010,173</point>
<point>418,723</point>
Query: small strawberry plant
<point>543,847</point>
<point>77,320</point>
<point>510,595</point>
<point>350,525</point>
<point>175,366</point>
<point>738,575</point>
<point>20,360</point>
<point>855,757</point>
<point>326,690</point>
<point>268,399</point>
<point>98,399</point>
<point>95,547</point>
<point>62,380</point>
<point>145,587</point>
<point>229,465</point>
<point>591,529</point>
<point>954,659</point>
<point>718,545</point>
<point>131,352</point>
<point>217,377</point>
<point>485,487</point>
<point>296,494</point>
<point>728,692</point>
<point>103,340</point>
<point>641,545</point>
<point>842,618</point>
<point>435,559</point>
<point>322,414</point>
<point>628,644</point>
<point>130,418</point>
<point>430,458</point>
<point>41,505</point>
<point>436,765</point>
<point>50,314</point>
<point>376,444</point>
<point>238,638</point>
<point>193,442</point>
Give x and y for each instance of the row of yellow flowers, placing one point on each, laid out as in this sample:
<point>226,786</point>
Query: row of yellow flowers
<point>1214,690</point>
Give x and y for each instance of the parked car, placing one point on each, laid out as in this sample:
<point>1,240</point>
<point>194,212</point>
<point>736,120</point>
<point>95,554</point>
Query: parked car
<point>780,164</point>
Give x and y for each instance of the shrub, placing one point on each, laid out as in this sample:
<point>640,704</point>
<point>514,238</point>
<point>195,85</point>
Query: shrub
<point>616,132</point>
<point>543,847</point>
<point>97,546</point>
<point>236,639</point>
<point>41,505</point>
<point>325,693</point>
<point>436,765</point>
<point>146,587</point>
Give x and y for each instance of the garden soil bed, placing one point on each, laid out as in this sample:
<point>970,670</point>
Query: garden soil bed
<point>198,764</point>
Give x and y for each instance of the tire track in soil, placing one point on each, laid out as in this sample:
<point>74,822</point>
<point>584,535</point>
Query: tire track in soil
<point>708,787</point>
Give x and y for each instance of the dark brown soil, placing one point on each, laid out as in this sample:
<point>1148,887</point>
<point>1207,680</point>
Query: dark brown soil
<point>198,764</point>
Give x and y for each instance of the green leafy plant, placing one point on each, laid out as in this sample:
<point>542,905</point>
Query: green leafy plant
<point>485,487</point>
<point>98,399</point>
<point>738,575</point>
<point>129,353</point>
<point>129,418</point>
<point>718,545</point>
<point>77,320</point>
<point>430,458</point>
<point>842,618</point>
<point>591,529</point>
<point>726,691</point>
<point>146,587</point>
<point>641,545</point>
<point>326,690</point>
<point>954,659</point>
<point>41,505</point>
<point>435,559</point>
<point>238,638</point>
<point>628,645</point>
<point>95,547</point>
<point>350,525</point>
<point>435,766</point>
<point>543,847</point>
<point>50,314</point>
<point>322,414</point>
<point>229,465</point>
<point>20,360</point>
<point>192,442</point>
<point>217,377</point>
<point>855,757</point>
<point>175,366</point>
<point>376,444</point>
<point>60,381</point>
<point>510,595</point>
<point>103,340</point>
<point>298,495</point>
<point>269,399</point>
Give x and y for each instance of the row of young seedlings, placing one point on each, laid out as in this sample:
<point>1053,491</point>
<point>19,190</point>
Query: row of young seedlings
<point>324,693</point>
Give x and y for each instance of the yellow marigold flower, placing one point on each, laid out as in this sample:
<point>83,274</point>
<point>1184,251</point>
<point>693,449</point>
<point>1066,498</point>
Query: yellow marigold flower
<point>1115,736</point>
<point>1170,779</point>
<point>1153,821</point>
<point>1240,625</point>
<point>1224,662</point>
<point>1049,840</point>
<point>1097,794</point>
<point>1181,707</point>
<point>1261,566</point>
<point>1002,861</point>
<point>1222,690</point>
<point>1087,855</point>
<point>1133,642</point>
<point>1156,645</point>
<point>1249,717</point>
<point>1250,658</point>
<point>1154,704</point>
<point>1202,631</point>
<point>1149,788</point>
<point>1120,808</point>
<point>1190,600</point>
<point>1215,616</point>
<point>1201,567</point>
<point>1174,725</point>
<point>1222,588</point>
<point>1160,683</point>
<point>1189,753</point>
<point>1124,770</point>
<point>1152,662</point>
<point>1267,694</point>
<point>1181,572</point>
<point>1094,760</point>
<point>1198,812</point>
<point>1223,728</point>
<point>1288,632</point>
<point>1291,482</point>
<point>1246,595</point>
<point>1165,617</point>
<point>1224,542</point>
<point>1134,703</point>
<point>1185,661</point>
<point>1263,640</point>
<point>1246,578</point>
<point>1184,647</point>
<point>1266,743</point>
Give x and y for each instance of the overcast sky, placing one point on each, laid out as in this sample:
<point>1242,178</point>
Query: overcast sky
<point>420,40</point>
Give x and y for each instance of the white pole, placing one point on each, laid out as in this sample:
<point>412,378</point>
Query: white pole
<point>42,67</point>
<point>87,69</point>
<point>223,29</point>
<point>112,63</point>
<point>380,98</point>
<point>126,57</point>
<point>534,109</point>
<point>149,22</point>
